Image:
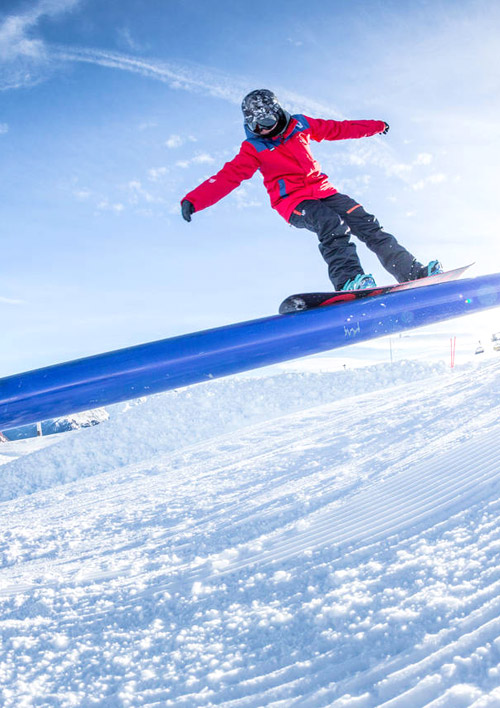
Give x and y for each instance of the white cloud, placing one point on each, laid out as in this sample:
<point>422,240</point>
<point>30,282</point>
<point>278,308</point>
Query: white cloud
<point>125,37</point>
<point>400,169</point>
<point>155,173</point>
<point>4,128</point>
<point>403,170</point>
<point>408,172</point>
<point>192,78</point>
<point>202,159</point>
<point>174,141</point>
<point>10,301</point>
<point>358,158</point>
<point>437,178</point>
<point>82,194</point>
<point>25,60</point>
<point>244,199</point>
<point>13,40</point>
<point>147,125</point>
<point>138,193</point>
<point>105,205</point>
<point>423,158</point>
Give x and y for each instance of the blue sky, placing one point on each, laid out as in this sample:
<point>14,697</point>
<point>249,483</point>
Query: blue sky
<point>111,111</point>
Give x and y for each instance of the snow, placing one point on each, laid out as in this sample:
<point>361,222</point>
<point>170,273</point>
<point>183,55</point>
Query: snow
<point>315,538</point>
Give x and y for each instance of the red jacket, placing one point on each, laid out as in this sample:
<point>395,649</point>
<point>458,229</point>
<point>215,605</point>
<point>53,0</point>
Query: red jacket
<point>290,172</point>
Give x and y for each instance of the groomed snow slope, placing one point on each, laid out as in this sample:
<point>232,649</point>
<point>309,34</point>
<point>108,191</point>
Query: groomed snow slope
<point>312,540</point>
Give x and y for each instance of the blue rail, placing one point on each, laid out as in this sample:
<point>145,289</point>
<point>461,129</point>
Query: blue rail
<point>180,361</point>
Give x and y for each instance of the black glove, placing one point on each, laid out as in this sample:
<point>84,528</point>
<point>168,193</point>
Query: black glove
<point>187,210</point>
<point>386,129</point>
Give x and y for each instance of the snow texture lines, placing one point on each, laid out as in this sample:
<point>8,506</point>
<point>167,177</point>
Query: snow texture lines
<point>326,540</point>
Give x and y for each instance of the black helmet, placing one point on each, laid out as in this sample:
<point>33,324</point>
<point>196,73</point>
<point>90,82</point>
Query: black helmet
<point>261,111</point>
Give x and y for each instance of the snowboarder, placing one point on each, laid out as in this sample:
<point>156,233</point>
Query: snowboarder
<point>277,143</point>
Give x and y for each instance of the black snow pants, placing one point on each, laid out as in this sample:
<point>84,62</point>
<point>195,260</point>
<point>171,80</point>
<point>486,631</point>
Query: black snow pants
<point>334,219</point>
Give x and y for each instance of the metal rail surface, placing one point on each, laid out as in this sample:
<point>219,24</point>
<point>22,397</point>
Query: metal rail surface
<point>201,356</point>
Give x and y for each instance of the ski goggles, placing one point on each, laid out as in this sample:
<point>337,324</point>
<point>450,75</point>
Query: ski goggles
<point>257,125</point>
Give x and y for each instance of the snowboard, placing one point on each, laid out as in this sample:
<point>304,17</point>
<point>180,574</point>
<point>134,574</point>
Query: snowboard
<point>308,301</point>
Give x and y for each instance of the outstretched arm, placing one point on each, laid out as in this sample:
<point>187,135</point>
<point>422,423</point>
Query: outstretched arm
<point>344,129</point>
<point>242,167</point>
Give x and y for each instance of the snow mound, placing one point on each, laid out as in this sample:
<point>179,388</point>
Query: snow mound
<point>180,418</point>
<point>344,555</point>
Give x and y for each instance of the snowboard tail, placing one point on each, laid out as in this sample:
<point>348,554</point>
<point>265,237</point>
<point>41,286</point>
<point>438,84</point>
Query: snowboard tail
<point>309,301</point>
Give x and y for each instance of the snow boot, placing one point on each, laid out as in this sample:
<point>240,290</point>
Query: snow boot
<point>360,282</point>
<point>433,268</point>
